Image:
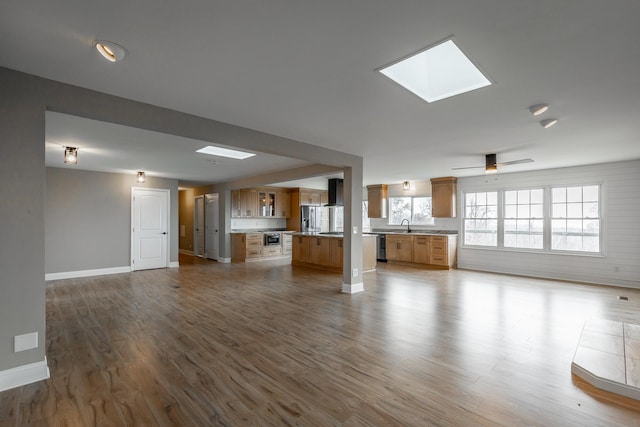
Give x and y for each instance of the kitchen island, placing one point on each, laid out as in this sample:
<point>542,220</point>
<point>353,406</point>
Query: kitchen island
<point>325,251</point>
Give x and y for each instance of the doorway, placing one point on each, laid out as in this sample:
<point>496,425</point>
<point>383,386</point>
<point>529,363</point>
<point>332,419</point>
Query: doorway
<point>149,231</point>
<point>199,245</point>
<point>211,225</point>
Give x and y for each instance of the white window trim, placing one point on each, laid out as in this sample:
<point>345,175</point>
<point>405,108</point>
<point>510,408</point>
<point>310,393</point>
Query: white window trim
<point>547,209</point>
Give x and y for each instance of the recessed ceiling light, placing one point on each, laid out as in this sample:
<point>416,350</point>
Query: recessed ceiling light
<point>141,177</point>
<point>111,51</point>
<point>538,109</point>
<point>439,72</point>
<point>225,152</point>
<point>547,123</point>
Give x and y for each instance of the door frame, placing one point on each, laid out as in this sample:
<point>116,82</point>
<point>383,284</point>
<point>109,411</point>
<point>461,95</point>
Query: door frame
<point>168,223</point>
<point>216,197</point>
<point>196,240</point>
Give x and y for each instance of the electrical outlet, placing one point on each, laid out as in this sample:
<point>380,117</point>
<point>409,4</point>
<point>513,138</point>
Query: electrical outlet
<point>355,272</point>
<point>355,229</point>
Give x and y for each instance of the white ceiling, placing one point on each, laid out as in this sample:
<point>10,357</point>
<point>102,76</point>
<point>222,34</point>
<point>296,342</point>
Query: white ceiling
<point>306,71</point>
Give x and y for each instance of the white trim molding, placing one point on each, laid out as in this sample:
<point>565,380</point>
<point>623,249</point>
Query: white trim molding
<point>352,288</point>
<point>224,260</point>
<point>86,273</point>
<point>23,375</point>
<point>174,264</point>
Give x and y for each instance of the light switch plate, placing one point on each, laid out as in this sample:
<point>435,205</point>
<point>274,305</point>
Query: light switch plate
<point>355,272</point>
<point>355,229</point>
<point>25,342</point>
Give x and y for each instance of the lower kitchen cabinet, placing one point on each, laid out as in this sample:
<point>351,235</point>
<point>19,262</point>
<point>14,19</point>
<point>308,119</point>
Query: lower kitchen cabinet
<point>250,247</point>
<point>327,252</point>
<point>399,248</point>
<point>440,251</point>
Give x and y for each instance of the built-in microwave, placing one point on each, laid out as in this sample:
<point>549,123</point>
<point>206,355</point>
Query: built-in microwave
<point>271,239</point>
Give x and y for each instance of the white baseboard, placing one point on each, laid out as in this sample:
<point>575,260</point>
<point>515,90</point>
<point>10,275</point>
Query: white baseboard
<point>23,375</point>
<point>174,264</point>
<point>224,260</point>
<point>353,288</point>
<point>185,252</point>
<point>86,273</point>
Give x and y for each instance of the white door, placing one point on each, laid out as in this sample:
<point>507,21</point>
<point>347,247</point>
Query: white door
<point>198,232</point>
<point>150,225</point>
<point>211,225</point>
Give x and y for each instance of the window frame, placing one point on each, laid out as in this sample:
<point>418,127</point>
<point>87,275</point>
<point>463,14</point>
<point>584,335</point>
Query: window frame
<point>547,232</point>
<point>390,204</point>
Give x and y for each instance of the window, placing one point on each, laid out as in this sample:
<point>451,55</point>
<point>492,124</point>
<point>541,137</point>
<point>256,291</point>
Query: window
<point>524,218</point>
<point>481,218</point>
<point>548,219</point>
<point>575,218</point>
<point>416,209</point>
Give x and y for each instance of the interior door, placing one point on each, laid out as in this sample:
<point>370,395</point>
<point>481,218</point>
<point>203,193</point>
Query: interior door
<point>212,224</point>
<point>150,224</point>
<point>199,234</point>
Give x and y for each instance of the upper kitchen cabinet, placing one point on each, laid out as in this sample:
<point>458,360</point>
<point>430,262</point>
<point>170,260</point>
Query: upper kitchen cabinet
<point>283,204</point>
<point>266,203</point>
<point>377,196</point>
<point>310,197</point>
<point>244,203</point>
<point>443,193</point>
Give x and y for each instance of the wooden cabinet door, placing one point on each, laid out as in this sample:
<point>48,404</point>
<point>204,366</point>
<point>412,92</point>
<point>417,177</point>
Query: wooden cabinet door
<point>319,250</point>
<point>250,203</point>
<point>421,249</point>
<point>283,205</point>
<point>444,193</point>
<point>377,199</point>
<point>300,250</point>
<point>400,248</point>
<point>310,197</point>
<point>439,251</point>
<point>238,247</point>
<point>236,204</point>
<point>324,198</point>
<point>335,252</point>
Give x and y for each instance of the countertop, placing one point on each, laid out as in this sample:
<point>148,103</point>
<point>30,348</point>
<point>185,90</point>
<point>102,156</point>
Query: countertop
<point>334,235</point>
<point>265,230</point>
<point>416,232</point>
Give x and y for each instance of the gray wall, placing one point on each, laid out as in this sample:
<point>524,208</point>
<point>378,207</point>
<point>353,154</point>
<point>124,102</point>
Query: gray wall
<point>88,219</point>
<point>23,101</point>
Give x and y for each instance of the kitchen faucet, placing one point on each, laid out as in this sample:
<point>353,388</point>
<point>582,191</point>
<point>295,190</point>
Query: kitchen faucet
<point>402,222</point>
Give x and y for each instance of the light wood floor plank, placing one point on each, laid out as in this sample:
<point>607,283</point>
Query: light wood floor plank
<point>263,344</point>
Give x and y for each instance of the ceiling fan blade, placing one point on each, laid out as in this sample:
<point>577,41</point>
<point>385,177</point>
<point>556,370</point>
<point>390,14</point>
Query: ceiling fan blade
<point>515,162</point>
<point>468,167</point>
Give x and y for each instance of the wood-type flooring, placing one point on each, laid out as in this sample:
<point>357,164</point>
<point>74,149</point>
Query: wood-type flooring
<point>262,344</point>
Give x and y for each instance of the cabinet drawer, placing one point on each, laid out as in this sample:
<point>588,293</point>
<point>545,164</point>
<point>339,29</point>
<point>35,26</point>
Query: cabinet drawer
<point>439,239</point>
<point>438,249</point>
<point>439,259</point>
<point>254,244</point>
<point>272,251</point>
<point>254,237</point>
<point>254,253</point>
<point>421,240</point>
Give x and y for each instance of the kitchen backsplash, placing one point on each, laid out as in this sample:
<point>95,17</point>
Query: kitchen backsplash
<point>257,223</point>
<point>439,224</point>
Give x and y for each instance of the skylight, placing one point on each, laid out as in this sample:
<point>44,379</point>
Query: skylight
<point>225,152</point>
<point>437,73</point>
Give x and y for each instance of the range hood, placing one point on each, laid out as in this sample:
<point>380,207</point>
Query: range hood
<point>336,192</point>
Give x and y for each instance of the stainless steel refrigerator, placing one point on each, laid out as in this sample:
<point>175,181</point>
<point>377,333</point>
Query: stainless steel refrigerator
<point>314,219</point>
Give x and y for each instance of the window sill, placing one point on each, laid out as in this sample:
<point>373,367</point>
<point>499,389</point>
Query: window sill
<point>535,251</point>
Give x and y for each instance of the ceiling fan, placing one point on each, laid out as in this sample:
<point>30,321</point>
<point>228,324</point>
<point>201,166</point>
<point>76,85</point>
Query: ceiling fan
<point>491,164</point>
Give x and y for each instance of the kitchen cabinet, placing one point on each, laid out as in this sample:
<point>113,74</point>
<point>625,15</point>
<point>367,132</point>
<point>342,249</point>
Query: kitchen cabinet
<point>283,204</point>
<point>443,251</point>
<point>336,252</point>
<point>421,249</point>
<point>319,250</point>
<point>266,203</point>
<point>443,194</point>
<point>326,252</point>
<point>300,249</point>
<point>377,200</point>
<point>244,203</point>
<point>310,197</point>
<point>400,248</point>
<point>287,244</point>
<point>246,246</point>
<point>324,198</point>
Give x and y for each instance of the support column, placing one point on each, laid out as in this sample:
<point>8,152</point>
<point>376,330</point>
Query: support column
<point>352,270</point>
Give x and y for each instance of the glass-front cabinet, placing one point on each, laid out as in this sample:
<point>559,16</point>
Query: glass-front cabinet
<point>266,203</point>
